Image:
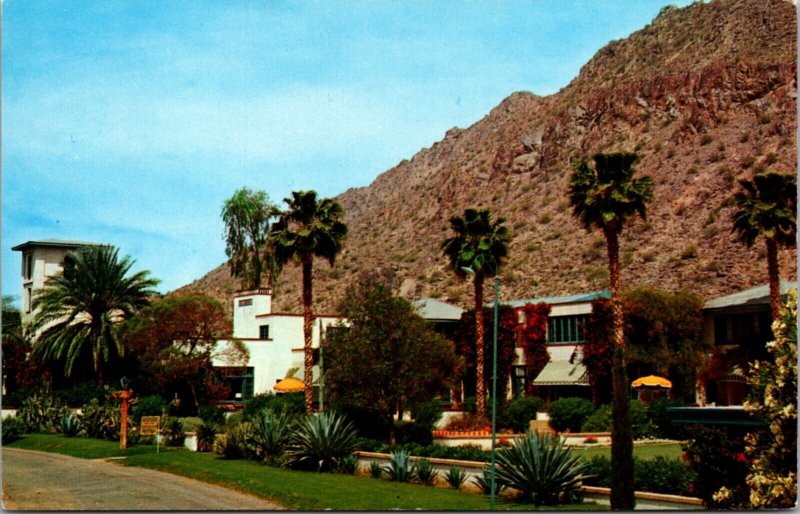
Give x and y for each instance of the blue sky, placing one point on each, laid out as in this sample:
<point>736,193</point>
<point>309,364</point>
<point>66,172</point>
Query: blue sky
<point>130,122</point>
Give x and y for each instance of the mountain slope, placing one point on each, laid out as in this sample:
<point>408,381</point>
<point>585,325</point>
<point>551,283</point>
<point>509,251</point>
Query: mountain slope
<point>705,95</point>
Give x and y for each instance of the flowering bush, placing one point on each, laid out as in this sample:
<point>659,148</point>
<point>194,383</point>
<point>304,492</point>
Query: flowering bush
<point>773,474</point>
<point>532,338</point>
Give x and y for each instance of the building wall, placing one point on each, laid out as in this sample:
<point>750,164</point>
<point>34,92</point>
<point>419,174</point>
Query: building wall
<point>47,262</point>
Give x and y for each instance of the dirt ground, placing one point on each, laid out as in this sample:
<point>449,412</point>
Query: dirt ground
<point>48,481</point>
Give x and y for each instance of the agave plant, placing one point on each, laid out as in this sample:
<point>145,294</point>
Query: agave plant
<point>455,477</point>
<point>206,435</point>
<point>349,465</point>
<point>484,482</point>
<point>375,469</point>
<point>320,441</point>
<point>70,425</point>
<point>541,467</point>
<point>270,434</point>
<point>400,468</point>
<point>425,472</point>
<point>233,443</point>
<point>42,413</point>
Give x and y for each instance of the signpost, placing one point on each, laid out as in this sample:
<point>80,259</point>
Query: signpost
<point>150,425</point>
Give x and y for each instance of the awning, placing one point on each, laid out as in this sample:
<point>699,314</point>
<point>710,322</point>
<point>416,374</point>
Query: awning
<point>562,373</point>
<point>652,381</point>
<point>735,374</point>
<point>290,385</point>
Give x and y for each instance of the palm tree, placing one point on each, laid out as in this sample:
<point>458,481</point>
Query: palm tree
<point>479,245</point>
<point>605,197</point>
<point>77,313</point>
<point>308,228</point>
<point>767,207</point>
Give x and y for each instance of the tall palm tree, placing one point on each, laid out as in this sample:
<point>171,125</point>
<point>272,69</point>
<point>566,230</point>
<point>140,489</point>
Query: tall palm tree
<point>479,245</point>
<point>308,228</point>
<point>767,207</point>
<point>77,313</point>
<point>605,197</point>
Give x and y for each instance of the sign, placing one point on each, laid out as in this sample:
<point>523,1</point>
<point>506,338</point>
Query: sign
<point>149,425</point>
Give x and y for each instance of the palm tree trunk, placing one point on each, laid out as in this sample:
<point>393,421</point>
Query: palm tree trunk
<point>480,384</point>
<point>307,320</point>
<point>774,279</point>
<point>621,431</point>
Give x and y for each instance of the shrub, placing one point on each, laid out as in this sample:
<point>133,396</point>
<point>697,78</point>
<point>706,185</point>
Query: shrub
<point>211,415</point>
<point>425,472</point>
<point>349,465</point>
<point>175,435</point>
<point>598,471</point>
<point>190,423</point>
<point>456,477</point>
<point>428,414</point>
<point>718,460</point>
<point>206,435</point>
<point>375,469</point>
<point>12,428</point>
<point>599,421</point>
<point>411,432</point>
<point>662,475</point>
<point>270,434</point>
<point>399,468</point>
<point>102,421</point>
<point>467,421</point>
<point>233,443</point>
<point>320,441</point>
<point>657,412</point>
<point>484,482</point>
<point>542,468</point>
<point>70,425</point>
<point>518,413</point>
<point>640,421</point>
<point>290,403</point>
<point>153,405</point>
<point>82,393</point>
<point>569,414</point>
<point>41,413</point>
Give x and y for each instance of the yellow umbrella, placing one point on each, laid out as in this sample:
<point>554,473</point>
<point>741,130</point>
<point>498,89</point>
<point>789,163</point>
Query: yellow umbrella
<point>652,381</point>
<point>290,385</point>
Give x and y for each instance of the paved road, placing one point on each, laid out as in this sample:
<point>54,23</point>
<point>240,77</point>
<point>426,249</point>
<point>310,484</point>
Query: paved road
<point>48,481</point>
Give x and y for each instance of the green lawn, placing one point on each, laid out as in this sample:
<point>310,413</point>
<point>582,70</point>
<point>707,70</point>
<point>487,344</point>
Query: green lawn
<point>292,489</point>
<point>644,452</point>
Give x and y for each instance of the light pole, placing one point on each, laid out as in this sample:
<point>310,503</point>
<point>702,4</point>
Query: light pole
<point>494,378</point>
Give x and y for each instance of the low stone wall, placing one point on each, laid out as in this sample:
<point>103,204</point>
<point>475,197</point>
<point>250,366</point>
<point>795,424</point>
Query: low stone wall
<point>483,438</point>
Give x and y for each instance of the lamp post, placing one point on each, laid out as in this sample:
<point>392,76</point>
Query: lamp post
<point>494,379</point>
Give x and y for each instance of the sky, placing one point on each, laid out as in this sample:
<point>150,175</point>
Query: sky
<point>130,122</point>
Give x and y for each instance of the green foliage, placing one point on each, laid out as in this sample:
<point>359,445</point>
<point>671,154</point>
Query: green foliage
<point>598,354</point>
<point>412,432</point>
<point>484,482</point>
<point>211,415</point>
<point>78,312</point>
<point>425,472</point>
<point>400,468</point>
<point>375,469</point>
<point>456,477</point>
<point>569,413</point>
<point>175,435</point>
<point>471,452</point>
<point>718,460</point>
<point>102,421</point>
<point>82,393</point>
<point>598,471</point>
<point>542,468</point>
<point>233,443</point>
<point>270,434</point>
<point>70,425</point>
<point>12,428</point>
<point>518,413</point>
<point>773,398</point>
<point>479,243</point>
<point>657,475</point>
<point>153,405</point>
<point>766,207</point>
<point>640,422</point>
<point>427,414</point>
<point>42,413</point>
<point>657,412</point>
<point>206,436</point>
<point>349,465</point>
<point>320,441</point>
<point>247,215</point>
<point>289,403</point>
<point>599,420</point>
<point>387,355</point>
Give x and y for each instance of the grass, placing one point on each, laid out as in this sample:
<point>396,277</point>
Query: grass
<point>644,452</point>
<point>299,490</point>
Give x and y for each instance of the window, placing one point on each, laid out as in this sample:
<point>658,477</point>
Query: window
<point>27,268</point>
<point>240,382</point>
<point>263,332</point>
<point>518,381</point>
<point>28,300</point>
<point>68,266</point>
<point>246,302</point>
<point>567,329</point>
<point>752,327</point>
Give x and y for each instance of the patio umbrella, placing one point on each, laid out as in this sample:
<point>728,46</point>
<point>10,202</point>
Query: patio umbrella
<point>289,385</point>
<point>652,381</point>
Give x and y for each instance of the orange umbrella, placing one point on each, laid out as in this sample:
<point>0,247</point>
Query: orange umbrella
<point>652,381</point>
<point>290,385</point>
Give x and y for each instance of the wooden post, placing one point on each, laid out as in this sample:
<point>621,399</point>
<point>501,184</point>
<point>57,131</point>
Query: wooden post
<point>123,437</point>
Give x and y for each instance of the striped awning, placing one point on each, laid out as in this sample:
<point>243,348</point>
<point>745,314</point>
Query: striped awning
<point>562,373</point>
<point>735,374</point>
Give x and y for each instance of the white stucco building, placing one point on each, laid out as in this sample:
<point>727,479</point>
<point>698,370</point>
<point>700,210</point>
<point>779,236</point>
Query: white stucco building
<point>274,341</point>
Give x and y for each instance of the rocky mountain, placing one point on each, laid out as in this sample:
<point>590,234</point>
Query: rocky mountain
<point>705,95</point>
